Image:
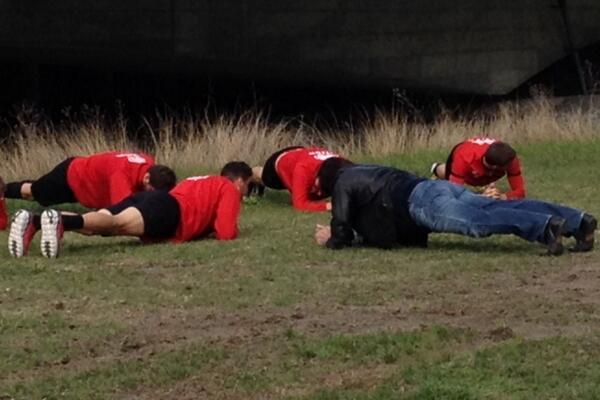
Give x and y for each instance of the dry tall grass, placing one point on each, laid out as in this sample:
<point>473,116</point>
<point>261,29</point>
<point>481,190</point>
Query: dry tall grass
<point>204,142</point>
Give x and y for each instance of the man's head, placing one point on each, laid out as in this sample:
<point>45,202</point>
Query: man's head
<point>239,173</point>
<point>498,156</point>
<point>159,177</point>
<point>327,175</point>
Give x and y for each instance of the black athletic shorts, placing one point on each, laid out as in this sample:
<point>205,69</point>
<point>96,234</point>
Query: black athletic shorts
<point>449,162</point>
<point>160,212</point>
<point>53,187</point>
<point>269,174</point>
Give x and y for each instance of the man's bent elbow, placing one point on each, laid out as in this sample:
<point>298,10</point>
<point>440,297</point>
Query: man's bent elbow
<point>311,207</point>
<point>226,235</point>
<point>335,244</point>
<point>517,195</point>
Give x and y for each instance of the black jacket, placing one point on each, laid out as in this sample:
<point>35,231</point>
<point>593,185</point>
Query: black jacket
<point>373,201</point>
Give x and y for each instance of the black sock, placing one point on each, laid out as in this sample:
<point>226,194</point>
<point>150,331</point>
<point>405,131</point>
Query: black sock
<point>37,222</point>
<point>13,190</point>
<point>72,222</point>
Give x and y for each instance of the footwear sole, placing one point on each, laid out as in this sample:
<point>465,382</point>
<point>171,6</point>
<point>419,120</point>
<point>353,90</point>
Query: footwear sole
<point>556,247</point>
<point>585,240</point>
<point>583,246</point>
<point>433,168</point>
<point>591,234</point>
<point>18,226</point>
<point>51,231</point>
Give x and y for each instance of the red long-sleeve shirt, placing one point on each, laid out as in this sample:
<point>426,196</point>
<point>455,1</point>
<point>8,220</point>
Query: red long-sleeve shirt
<point>298,170</point>
<point>467,167</point>
<point>104,179</point>
<point>207,204</point>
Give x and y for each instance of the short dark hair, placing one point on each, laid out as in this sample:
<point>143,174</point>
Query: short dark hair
<point>236,169</point>
<point>162,177</point>
<point>499,154</point>
<point>328,171</point>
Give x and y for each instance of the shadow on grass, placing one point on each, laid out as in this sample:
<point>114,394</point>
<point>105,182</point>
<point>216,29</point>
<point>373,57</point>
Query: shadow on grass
<point>126,245</point>
<point>277,198</point>
<point>486,246</point>
<point>111,246</point>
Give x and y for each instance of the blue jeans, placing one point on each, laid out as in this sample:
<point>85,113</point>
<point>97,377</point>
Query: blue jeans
<point>442,206</point>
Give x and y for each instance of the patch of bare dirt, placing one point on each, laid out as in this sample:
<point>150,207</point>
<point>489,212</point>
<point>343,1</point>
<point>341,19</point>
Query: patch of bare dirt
<point>366,377</point>
<point>541,302</point>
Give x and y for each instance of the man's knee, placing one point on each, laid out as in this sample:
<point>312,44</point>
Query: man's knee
<point>128,222</point>
<point>120,224</point>
<point>478,231</point>
<point>35,192</point>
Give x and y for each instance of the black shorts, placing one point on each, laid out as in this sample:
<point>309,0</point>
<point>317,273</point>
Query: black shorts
<point>269,174</point>
<point>160,212</point>
<point>53,187</point>
<point>449,162</point>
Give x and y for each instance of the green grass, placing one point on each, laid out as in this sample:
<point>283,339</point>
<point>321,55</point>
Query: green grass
<point>272,315</point>
<point>103,380</point>
<point>553,368</point>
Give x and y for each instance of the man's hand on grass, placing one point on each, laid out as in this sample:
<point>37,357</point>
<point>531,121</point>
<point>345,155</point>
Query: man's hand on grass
<point>322,234</point>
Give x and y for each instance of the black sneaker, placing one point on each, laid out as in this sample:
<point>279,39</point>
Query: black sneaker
<point>553,235</point>
<point>585,235</point>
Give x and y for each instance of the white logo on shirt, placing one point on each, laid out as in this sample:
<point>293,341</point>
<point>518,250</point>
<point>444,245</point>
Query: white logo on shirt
<point>197,178</point>
<point>322,155</point>
<point>482,141</point>
<point>132,158</point>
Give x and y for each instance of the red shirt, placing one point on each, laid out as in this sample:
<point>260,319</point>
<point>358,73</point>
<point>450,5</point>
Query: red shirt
<point>104,179</point>
<point>467,167</point>
<point>298,170</point>
<point>207,204</point>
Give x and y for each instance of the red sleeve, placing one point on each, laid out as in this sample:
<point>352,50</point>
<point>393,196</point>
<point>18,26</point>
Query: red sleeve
<point>120,188</point>
<point>515,180</point>
<point>460,169</point>
<point>302,184</point>
<point>227,215</point>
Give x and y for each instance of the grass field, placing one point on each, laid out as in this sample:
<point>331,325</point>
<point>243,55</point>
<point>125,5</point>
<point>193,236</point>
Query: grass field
<point>273,316</point>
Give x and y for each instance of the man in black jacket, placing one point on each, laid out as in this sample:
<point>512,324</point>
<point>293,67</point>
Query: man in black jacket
<point>388,207</point>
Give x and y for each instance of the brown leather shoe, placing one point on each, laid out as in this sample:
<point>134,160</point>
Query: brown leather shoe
<point>586,234</point>
<point>554,234</point>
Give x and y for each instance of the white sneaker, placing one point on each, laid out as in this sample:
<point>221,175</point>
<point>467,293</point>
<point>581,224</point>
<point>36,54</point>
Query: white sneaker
<point>21,232</point>
<point>433,168</point>
<point>52,233</point>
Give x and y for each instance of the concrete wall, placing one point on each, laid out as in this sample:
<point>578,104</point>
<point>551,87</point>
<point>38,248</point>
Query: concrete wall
<point>478,46</point>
